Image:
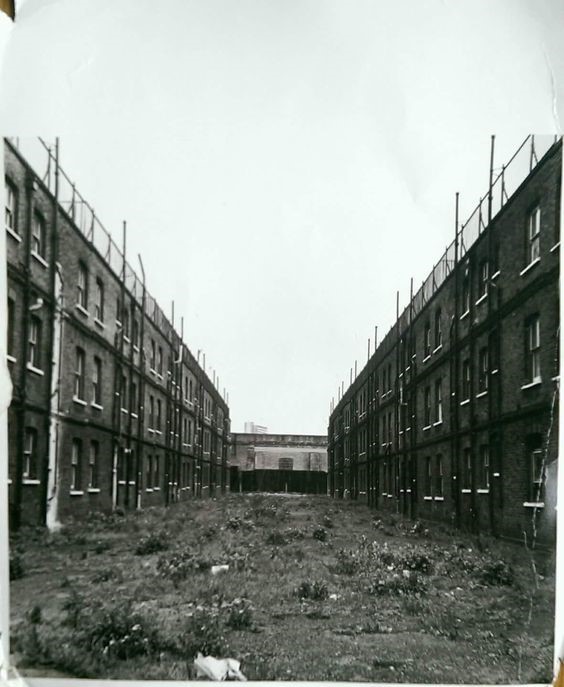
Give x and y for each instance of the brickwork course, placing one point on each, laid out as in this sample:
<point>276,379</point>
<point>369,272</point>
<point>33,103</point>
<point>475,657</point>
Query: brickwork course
<point>455,415</point>
<point>109,408</point>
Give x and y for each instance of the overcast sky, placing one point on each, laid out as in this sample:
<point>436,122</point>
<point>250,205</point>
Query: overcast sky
<point>284,166</point>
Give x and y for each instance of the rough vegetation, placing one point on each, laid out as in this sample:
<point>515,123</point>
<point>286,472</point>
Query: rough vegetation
<point>316,590</point>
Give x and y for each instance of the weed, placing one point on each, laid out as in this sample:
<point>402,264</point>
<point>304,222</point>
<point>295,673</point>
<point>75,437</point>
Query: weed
<point>73,606</point>
<point>152,543</point>
<point>276,538</point>
<point>348,563</point>
<point>497,573</point>
<point>203,632</point>
<point>316,590</point>
<point>17,569</point>
<point>102,546</point>
<point>240,615</point>
<point>393,583</point>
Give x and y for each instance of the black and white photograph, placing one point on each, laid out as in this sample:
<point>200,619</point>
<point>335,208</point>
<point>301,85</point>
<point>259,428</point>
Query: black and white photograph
<point>281,344</point>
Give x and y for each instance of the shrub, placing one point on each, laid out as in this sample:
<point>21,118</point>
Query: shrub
<point>399,584</point>
<point>348,563</point>
<point>203,632</point>
<point>497,573</point>
<point>316,590</point>
<point>153,543</point>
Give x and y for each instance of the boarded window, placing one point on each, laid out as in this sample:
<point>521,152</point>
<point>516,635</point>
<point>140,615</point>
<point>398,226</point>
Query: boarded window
<point>285,463</point>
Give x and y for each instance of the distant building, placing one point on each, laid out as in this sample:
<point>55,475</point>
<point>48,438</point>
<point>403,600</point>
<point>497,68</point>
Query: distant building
<point>251,428</point>
<point>279,463</point>
<point>455,415</point>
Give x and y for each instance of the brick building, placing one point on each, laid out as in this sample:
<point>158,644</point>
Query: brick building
<point>109,406</point>
<point>279,463</point>
<point>455,415</point>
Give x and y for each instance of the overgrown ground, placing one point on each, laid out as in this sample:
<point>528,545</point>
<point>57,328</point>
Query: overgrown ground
<point>316,590</point>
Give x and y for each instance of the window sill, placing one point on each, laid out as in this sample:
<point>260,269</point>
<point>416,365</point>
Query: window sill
<point>438,498</point>
<point>152,371</point>
<point>156,488</point>
<point>495,275</point>
<point>464,314</point>
<point>466,491</point>
<point>427,498</point>
<point>136,348</point>
<point>31,481</point>
<point>158,431</point>
<point>555,247</point>
<point>40,259</point>
<point>482,393</point>
<point>529,267</point>
<point>437,423</point>
<point>481,299</point>
<point>81,309</point>
<point>482,491</point>
<point>79,401</point>
<point>99,323</point>
<point>150,430</point>
<point>466,401</point>
<point>427,427</point>
<point>14,235</point>
<point>93,490</point>
<point>35,370</point>
<point>134,416</point>
<point>124,411</point>
<point>437,349</point>
<point>530,385</point>
<point>97,406</point>
<point>76,492</point>
<point>533,504</point>
<point>11,359</point>
<point>160,376</point>
<point>427,357</point>
<point>149,490</point>
<point>126,339</point>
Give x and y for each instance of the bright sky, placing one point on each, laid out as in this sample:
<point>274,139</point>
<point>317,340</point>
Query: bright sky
<point>284,166</point>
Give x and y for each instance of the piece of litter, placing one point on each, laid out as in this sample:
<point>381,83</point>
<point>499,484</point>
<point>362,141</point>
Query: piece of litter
<point>216,569</point>
<point>218,668</point>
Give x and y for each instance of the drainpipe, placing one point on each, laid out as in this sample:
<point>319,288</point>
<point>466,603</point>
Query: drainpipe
<point>141,390</point>
<point>49,476</point>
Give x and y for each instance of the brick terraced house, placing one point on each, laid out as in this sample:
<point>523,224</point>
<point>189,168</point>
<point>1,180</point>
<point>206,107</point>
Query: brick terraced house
<point>109,406</point>
<point>455,415</point>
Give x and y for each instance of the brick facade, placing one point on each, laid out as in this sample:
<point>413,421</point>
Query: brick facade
<point>109,408</point>
<point>455,416</point>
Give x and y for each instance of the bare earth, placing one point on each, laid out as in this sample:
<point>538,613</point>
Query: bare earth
<point>316,590</point>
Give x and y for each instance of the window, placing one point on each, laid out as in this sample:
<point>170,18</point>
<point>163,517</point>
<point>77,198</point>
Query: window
<point>466,290</point>
<point>532,351</point>
<point>427,340</point>
<point>93,465</point>
<point>533,235</point>
<point>483,370</point>
<point>390,427</point>
<point>438,329</point>
<point>38,235</point>
<point>133,397</point>
<point>97,382</point>
<point>118,310</point>
<point>82,286</point>
<point>148,471</point>
<point>427,416</point>
<point>76,459</point>
<point>99,304</point>
<point>467,469</point>
<point>428,476</point>
<point>537,475</point>
<point>10,211</point>
<point>484,466</point>
<point>206,441</point>
<point>484,276</point>
<point>465,379</point>
<point>11,326</point>
<point>151,411</point>
<point>159,415</point>
<point>153,358</point>
<point>34,343</point>
<point>125,322</point>
<point>79,374</point>
<point>390,377</point>
<point>438,401</point>
<point>156,471</point>
<point>285,463</point>
<point>190,390</point>
<point>135,332</point>
<point>439,477</point>
<point>123,392</point>
<point>160,361</point>
<point>384,430</point>
<point>30,454</point>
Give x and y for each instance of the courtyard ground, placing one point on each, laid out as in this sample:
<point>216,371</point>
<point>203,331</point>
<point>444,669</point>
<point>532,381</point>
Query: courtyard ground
<point>316,590</point>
